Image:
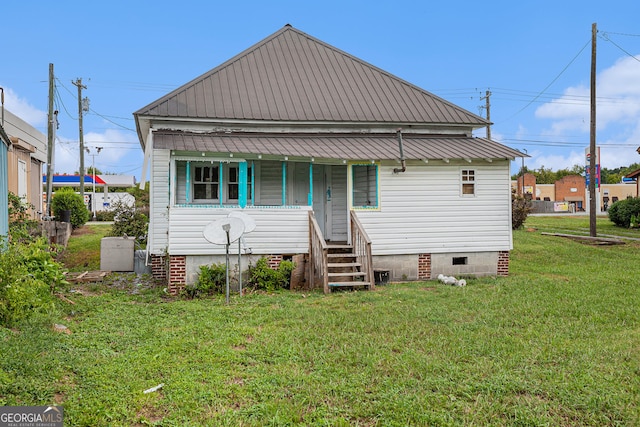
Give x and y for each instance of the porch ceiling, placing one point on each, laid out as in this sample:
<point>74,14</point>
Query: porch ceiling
<point>336,146</point>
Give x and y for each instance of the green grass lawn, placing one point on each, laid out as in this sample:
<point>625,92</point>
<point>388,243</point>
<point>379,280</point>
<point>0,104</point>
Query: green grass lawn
<point>83,250</point>
<point>557,343</point>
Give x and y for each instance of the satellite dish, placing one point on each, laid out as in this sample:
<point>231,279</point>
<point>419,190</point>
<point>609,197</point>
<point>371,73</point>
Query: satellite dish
<point>249,223</point>
<point>223,231</point>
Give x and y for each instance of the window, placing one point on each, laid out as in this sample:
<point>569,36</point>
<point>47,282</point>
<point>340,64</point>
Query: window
<point>365,186</point>
<point>233,183</point>
<point>468,182</point>
<point>205,182</point>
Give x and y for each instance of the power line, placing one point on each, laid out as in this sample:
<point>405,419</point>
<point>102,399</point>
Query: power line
<point>552,82</point>
<point>605,36</point>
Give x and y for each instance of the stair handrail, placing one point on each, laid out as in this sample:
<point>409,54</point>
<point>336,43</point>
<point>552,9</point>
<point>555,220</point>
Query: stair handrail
<point>318,255</point>
<point>362,248</point>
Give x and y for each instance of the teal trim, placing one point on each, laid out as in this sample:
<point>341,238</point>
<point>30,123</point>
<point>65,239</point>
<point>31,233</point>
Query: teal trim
<point>188,184</point>
<point>220,181</point>
<point>284,183</point>
<point>253,184</point>
<point>310,195</point>
<point>242,184</point>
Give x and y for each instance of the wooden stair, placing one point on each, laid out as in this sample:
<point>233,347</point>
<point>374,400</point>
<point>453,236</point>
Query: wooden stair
<point>343,268</point>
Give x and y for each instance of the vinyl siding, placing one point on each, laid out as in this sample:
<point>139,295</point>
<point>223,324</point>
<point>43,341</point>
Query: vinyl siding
<point>278,230</point>
<point>159,212</point>
<point>269,192</point>
<point>422,210</point>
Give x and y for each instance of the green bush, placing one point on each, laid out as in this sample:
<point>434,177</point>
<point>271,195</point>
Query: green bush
<point>520,209</point>
<point>105,215</point>
<point>67,199</point>
<point>28,277</point>
<point>621,212</point>
<point>129,221</point>
<point>22,228</point>
<point>262,277</point>
<point>211,280</point>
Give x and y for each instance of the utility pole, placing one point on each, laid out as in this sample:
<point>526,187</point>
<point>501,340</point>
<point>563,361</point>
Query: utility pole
<point>592,137</point>
<point>80,86</point>
<point>488,107</point>
<point>93,194</point>
<point>51,136</point>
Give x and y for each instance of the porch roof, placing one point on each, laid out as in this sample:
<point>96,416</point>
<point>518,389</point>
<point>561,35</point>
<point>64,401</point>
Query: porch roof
<point>336,146</point>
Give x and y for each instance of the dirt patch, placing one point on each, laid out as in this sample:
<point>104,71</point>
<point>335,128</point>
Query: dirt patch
<point>80,231</point>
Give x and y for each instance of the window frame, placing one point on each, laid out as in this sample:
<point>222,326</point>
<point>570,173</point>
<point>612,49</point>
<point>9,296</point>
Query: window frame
<point>183,183</point>
<point>468,179</point>
<point>352,184</point>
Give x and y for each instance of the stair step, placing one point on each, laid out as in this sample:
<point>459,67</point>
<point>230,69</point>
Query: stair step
<point>342,255</point>
<point>344,264</point>
<point>339,247</point>
<point>342,284</point>
<point>349,274</point>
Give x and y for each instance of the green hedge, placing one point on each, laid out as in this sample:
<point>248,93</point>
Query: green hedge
<point>620,212</point>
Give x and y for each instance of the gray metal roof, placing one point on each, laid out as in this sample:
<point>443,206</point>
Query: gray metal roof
<point>335,146</point>
<point>291,76</point>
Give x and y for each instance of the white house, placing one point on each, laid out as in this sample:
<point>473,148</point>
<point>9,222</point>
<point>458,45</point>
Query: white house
<point>323,150</point>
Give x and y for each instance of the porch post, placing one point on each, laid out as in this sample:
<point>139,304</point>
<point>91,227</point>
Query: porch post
<point>310,195</point>
<point>242,184</point>
<point>188,183</point>
<point>284,183</point>
<point>220,176</point>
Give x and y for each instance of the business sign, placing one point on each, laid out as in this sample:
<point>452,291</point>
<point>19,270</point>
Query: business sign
<point>560,207</point>
<point>588,166</point>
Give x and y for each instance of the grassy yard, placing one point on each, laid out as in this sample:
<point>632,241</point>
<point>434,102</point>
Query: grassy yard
<point>556,343</point>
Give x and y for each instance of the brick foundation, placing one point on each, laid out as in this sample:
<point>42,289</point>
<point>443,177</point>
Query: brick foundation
<point>274,261</point>
<point>158,268</point>
<point>503,263</point>
<point>424,266</point>
<point>177,273</point>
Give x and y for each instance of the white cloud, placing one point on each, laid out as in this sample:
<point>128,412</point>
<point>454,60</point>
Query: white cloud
<point>21,108</point>
<point>618,101</point>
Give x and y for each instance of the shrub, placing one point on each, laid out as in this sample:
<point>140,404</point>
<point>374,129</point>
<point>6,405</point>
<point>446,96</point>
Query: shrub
<point>28,277</point>
<point>262,277</point>
<point>129,221</point>
<point>105,215</point>
<point>520,209</point>
<point>211,280</point>
<point>67,199</point>
<point>621,212</point>
<point>22,228</point>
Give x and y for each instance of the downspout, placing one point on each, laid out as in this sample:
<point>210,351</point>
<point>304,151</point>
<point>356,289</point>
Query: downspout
<point>403,162</point>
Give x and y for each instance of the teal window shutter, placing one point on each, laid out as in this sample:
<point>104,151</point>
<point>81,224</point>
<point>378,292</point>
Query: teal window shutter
<point>242,184</point>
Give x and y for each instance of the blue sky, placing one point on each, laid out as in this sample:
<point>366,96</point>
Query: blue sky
<point>534,57</point>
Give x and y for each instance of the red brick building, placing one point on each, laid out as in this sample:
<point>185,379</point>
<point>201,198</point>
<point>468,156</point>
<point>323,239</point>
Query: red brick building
<point>571,188</point>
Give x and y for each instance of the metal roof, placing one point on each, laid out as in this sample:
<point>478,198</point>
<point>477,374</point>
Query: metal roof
<point>335,146</point>
<point>291,76</point>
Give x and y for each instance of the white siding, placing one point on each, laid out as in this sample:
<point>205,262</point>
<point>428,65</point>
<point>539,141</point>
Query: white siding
<point>278,230</point>
<point>270,178</point>
<point>422,210</point>
<point>159,209</point>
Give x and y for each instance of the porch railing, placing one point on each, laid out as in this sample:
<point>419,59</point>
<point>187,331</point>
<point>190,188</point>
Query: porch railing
<point>318,259</point>
<point>362,248</point>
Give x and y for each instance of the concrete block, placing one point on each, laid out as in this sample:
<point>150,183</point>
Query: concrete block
<point>116,253</point>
